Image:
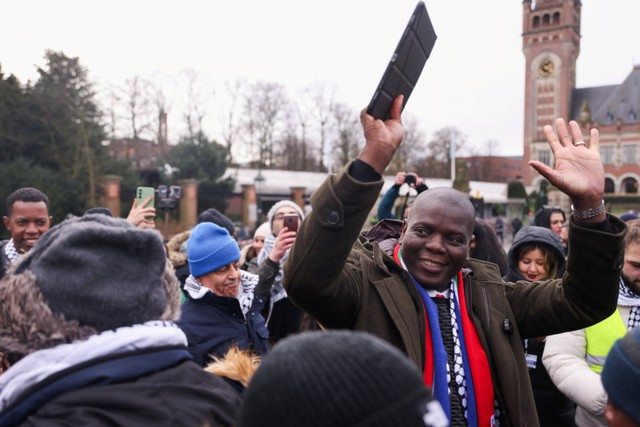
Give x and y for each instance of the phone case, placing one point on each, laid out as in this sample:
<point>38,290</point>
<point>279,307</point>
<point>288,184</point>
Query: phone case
<point>291,222</point>
<point>406,64</point>
<point>142,193</point>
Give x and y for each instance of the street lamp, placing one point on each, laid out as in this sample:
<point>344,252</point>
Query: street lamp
<point>259,183</point>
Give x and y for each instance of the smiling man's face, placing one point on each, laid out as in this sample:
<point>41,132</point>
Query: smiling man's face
<point>435,239</point>
<point>27,223</point>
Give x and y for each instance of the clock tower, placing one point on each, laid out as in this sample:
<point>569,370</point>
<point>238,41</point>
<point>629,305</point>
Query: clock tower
<point>551,45</point>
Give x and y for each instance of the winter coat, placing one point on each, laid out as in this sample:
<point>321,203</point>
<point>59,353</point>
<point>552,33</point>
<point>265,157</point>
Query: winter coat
<point>355,285</point>
<point>139,374</point>
<point>534,234</point>
<point>214,323</point>
<point>180,395</point>
<point>554,408</point>
<point>565,360</point>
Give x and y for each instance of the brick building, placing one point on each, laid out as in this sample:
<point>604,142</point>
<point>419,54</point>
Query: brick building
<point>493,168</point>
<point>551,45</point>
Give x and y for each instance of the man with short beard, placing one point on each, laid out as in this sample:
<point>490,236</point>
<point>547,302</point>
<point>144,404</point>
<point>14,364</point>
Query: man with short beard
<point>27,220</point>
<point>575,359</point>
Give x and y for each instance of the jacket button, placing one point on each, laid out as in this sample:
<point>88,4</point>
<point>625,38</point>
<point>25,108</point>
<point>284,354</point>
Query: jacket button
<point>333,218</point>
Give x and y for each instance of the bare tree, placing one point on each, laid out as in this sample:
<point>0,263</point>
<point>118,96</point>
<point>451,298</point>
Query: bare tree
<point>131,114</point>
<point>348,135</point>
<point>489,149</point>
<point>304,111</point>
<point>229,115</point>
<point>412,149</point>
<point>323,97</point>
<point>291,148</point>
<point>197,96</point>
<point>437,163</point>
<point>138,107</point>
<point>265,104</point>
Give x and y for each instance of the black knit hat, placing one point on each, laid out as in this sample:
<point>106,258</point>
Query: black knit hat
<point>338,378</point>
<point>101,271</point>
<point>218,218</point>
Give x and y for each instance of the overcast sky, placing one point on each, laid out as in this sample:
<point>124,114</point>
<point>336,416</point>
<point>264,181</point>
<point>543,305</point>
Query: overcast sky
<point>474,79</point>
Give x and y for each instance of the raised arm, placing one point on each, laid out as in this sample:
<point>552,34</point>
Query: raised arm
<point>319,275</point>
<point>382,137</point>
<point>578,169</point>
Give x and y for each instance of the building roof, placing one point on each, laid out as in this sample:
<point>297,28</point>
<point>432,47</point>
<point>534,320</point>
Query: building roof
<point>608,104</point>
<point>281,181</point>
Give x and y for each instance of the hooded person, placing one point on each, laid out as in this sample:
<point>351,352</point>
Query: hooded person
<point>338,379</point>
<point>551,217</point>
<point>89,312</point>
<point>249,254</point>
<point>223,302</point>
<point>283,317</point>
<point>537,254</point>
<point>540,237</point>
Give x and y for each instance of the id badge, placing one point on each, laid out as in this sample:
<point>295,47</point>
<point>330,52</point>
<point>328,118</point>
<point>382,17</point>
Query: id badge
<point>532,361</point>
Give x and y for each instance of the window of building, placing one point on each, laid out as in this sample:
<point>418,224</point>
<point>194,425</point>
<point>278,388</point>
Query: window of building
<point>546,19</point>
<point>630,154</point>
<point>609,186</point>
<point>556,18</point>
<point>609,117</point>
<point>630,185</point>
<point>607,153</point>
<point>536,21</point>
<point>544,156</point>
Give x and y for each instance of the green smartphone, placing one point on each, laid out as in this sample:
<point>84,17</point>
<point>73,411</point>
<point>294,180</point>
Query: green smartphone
<point>143,193</point>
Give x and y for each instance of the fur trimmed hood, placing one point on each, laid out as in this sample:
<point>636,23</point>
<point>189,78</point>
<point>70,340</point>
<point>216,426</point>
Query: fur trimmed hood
<point>178,258</point>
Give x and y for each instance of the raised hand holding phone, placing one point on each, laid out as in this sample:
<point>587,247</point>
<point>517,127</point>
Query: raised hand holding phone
<point>143,212</point>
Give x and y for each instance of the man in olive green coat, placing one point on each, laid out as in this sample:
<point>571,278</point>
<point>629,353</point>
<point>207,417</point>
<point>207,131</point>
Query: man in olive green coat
<point>482,379</point>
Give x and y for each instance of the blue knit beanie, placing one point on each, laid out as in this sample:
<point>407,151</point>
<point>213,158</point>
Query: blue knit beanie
<point>210,247</point>
<point>621,374</point>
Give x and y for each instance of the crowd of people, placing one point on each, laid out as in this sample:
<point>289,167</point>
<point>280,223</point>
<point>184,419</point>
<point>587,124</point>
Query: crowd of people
<point>421,320</point>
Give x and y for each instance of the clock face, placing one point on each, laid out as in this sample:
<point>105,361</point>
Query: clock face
<point>546,67</point>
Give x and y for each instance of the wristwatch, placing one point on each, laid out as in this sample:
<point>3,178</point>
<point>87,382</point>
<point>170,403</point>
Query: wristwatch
<point>589,213</point>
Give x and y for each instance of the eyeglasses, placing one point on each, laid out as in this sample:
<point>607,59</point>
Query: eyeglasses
<point>281,215</point>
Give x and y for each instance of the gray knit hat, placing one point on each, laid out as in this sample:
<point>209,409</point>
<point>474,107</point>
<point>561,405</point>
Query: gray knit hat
<point>338,378</point>
<point>280,204</point>
<point>100,271</point>
<point>621,374</point>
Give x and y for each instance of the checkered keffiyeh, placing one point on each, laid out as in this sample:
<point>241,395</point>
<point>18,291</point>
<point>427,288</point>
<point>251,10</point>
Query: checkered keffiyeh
<point>10,251</point>
<point>627,298</point>
<point>458,365</point>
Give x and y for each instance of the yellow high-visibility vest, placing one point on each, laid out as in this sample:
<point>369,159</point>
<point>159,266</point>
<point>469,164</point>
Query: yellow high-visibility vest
<point>600,339</point>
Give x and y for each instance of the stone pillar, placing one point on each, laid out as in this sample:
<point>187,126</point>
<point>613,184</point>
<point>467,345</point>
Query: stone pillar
<point>249,205</point>
<point>297,196</point>
<point>188,203</point>
<point>111,193</point>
